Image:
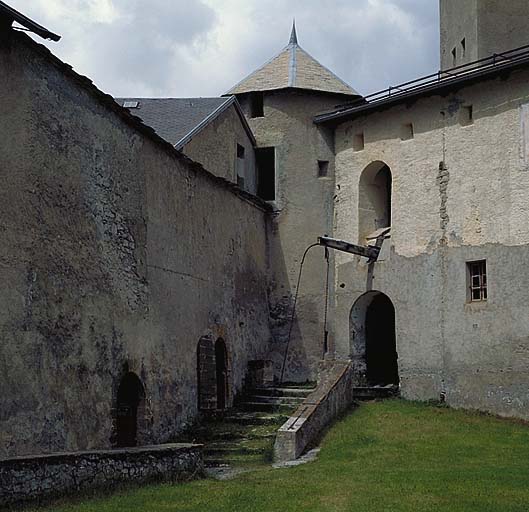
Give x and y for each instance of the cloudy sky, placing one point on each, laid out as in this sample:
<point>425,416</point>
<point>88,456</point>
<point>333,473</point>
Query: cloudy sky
<point>186,48</point>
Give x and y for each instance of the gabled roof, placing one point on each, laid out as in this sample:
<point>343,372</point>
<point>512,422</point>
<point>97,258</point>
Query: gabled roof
<point>10,15</point>
<point>178,120</point>
<point>294,68</point>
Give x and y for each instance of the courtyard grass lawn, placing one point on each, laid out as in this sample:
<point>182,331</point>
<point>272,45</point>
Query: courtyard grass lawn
<point>385,456</point>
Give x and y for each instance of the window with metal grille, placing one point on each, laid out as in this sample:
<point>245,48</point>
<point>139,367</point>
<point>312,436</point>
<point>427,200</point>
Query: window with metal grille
<point>477,280</point>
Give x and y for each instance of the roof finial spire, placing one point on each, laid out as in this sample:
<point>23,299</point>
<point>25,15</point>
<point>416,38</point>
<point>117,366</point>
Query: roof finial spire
<point>293,35</point>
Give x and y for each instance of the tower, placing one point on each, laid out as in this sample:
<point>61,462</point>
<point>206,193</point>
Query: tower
<point>476,29</point>
<point>295,167</point>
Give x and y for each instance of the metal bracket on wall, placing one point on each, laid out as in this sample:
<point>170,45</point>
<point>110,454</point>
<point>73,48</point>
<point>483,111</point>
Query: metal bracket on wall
<point>370,252</point>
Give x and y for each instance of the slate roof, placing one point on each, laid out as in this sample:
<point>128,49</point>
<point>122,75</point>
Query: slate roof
<point>293,67</point>
<point>177,119</point>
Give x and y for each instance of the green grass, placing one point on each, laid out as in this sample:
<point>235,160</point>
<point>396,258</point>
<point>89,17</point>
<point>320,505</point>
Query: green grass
<point>386,456</point>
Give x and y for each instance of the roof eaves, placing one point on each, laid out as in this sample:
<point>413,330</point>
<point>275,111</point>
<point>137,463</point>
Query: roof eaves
<point>431,90</point>
<point>12,15</point>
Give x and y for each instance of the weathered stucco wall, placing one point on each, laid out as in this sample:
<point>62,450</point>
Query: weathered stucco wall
<point>303,212</point>
<point>215,147</point>
<point>117,255</point>
<point>459,194</point>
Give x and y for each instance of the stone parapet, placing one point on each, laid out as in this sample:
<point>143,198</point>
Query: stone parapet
<point>333,395</point>
<point>44,477</point>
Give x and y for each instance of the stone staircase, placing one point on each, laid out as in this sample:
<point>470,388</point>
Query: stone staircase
<point>379,392</point>
<point>243,438</point>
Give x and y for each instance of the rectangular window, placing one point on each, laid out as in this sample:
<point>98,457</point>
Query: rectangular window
<point>256,104</point>
<point>323,168</point>
<point>466,115</point>
<point>407,132</point>
<point>477,281</point>
<point>358,142</point>
<point>265,159</point>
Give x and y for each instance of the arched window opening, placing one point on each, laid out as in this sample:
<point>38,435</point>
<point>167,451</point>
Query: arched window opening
<point>130,402</point>
<point>374,200</point>
<point>373,340</point>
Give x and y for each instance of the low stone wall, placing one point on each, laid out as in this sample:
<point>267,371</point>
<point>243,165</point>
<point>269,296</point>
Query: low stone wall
<point>45,477</point>
<point>333,395</point>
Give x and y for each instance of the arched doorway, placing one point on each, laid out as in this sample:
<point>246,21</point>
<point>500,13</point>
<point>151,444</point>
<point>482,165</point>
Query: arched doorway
<point>374,199</point>
<point>373,340</point>
<point>221,373</point>
<point>130,399</point>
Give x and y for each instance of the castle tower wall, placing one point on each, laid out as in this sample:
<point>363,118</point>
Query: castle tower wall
<point>475,29</point>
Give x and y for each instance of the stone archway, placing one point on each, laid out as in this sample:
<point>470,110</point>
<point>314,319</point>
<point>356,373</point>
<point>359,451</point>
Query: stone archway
<point>374,199</point>
<point>373,340</point>
<point>130,410</point>
<point>212,374</point>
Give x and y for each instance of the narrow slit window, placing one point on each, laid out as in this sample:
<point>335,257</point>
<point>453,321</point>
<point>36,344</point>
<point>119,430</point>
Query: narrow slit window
<point>323,168</point>
<point>257,105</point>
<point>266,173</point>
<point>477,281</point>
<point>463,46</point>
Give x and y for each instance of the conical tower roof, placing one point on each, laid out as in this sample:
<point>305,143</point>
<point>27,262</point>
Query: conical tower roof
<point>293,68</point>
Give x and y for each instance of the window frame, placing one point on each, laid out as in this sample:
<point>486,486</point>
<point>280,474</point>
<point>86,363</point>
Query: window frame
<point>477,283</point>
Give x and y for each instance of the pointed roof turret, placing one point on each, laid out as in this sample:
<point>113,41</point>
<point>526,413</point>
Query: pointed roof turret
<point>293,34</point>
<point>293,68</point>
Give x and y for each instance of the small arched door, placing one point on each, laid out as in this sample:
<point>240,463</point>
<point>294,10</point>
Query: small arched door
<point>131,394</point>
<point>221,372</point>
<point>373,340</point>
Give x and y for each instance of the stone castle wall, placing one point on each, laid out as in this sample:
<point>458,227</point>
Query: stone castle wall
<point>117,255</point>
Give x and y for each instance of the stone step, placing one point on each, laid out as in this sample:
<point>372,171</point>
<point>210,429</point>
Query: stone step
<point>375,392</point>
<point>256,418</point>
<point>282,392</point>
<point>267,407</point>
<point>225,451</point>
<point>278,400</point>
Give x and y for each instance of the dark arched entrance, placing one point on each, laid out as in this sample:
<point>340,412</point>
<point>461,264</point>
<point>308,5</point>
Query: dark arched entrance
<point>131,395</point>
<point>221,372</point>
<point>373,341</point>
